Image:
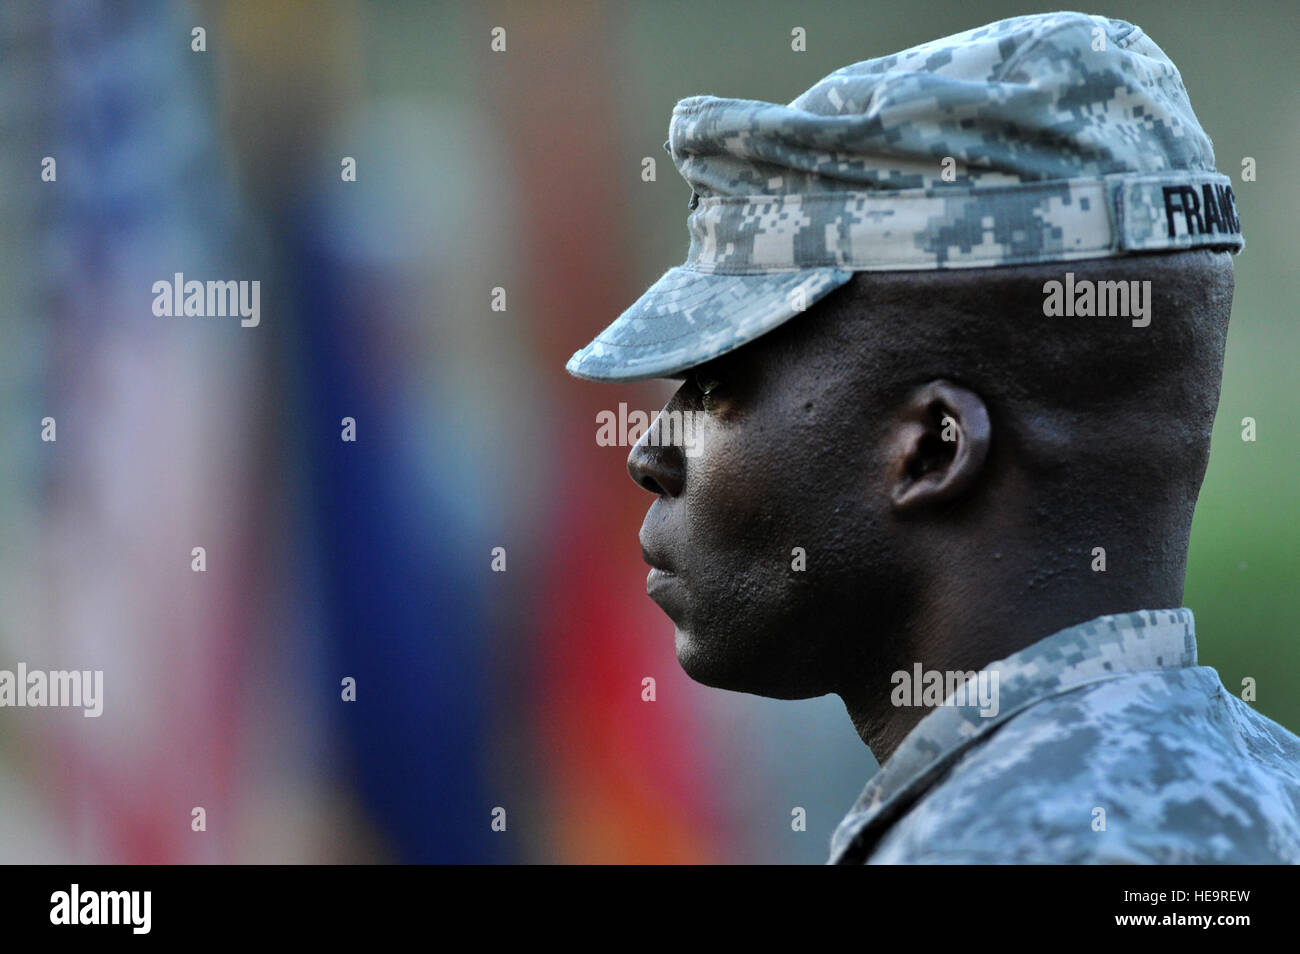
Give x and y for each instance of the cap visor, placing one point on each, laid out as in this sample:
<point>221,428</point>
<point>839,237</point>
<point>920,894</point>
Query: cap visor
<point>687,318</point>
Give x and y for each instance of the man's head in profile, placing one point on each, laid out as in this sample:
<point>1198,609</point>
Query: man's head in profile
<point>952,326</point>
<point>921,467</point>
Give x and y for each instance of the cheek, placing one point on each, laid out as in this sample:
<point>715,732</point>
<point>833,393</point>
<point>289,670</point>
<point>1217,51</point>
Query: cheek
<point>733,487</point>
<point>722,496</point>
<point>752,496</point>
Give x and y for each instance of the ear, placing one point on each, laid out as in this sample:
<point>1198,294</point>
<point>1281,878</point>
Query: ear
<point>941,444</point>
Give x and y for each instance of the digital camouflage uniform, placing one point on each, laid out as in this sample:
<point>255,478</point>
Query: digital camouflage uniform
<point>1109,745</point>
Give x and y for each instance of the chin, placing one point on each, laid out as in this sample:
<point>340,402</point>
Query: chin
<point>696,662</point>
<point>709,666</point>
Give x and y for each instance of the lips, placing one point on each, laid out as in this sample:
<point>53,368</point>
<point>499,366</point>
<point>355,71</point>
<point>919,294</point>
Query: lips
<point>651,537</point>
<point>666,589</point>
<point>662,584</point>
<point>657,579</point>
<point>661,573</point>
<point>657,561</point>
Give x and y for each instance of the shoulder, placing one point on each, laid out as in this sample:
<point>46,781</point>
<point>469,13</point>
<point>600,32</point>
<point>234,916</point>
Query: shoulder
<point>1157,767</point>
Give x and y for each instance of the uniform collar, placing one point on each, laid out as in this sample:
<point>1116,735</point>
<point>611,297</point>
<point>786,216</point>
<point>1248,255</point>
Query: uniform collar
<point>1100,649</point>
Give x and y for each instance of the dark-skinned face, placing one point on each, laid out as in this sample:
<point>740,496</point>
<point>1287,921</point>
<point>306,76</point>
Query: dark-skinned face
<point>786,454</point>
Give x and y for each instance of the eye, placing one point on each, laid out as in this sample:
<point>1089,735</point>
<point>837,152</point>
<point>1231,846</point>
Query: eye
<point>707,384</point>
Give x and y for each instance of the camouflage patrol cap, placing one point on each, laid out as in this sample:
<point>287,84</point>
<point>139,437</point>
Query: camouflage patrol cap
<point>1034,139</point>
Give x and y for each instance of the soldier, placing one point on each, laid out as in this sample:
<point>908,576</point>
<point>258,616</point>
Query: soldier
<point>955,319</point>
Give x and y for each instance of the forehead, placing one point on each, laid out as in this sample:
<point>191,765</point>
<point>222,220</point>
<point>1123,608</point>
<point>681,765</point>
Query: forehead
<point>830,339</point>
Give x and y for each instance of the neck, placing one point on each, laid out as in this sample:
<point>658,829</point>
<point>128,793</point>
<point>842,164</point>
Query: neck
<point>965,623</point>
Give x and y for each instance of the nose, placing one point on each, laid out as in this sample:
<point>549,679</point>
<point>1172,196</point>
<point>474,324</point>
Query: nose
<point>656,465</point>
